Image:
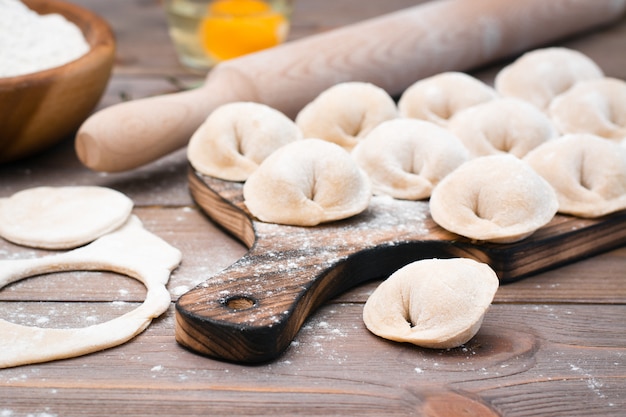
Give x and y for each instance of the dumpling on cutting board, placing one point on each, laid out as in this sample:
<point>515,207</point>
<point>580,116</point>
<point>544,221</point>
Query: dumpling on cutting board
<point>438,98</point>
<point>503,125</point>
<point>306,183</point>
<point>237,137</point>
<point>406,158</point>
<point>587,172</point>
<point>346,112</point>
<point>542,74</point>
<point>496,198</point>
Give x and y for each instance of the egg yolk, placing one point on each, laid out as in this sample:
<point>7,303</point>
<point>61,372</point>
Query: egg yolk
<point>237,27</point>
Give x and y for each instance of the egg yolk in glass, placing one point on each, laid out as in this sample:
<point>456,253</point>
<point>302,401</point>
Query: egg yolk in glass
<point>236,27</point>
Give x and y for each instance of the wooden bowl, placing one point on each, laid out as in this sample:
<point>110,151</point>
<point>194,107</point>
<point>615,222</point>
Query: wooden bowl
<point>38,110</point>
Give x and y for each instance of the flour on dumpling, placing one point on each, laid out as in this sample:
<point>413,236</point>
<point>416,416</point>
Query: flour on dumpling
<point>496,198</point>
<point>306,183</point>
<point>406,158</point>
<point>504,125</point>
<point>346,112</point>
<point>596,106</point>
<point>237,137</point>
<point>587,172</point>
<point>439,97</point>
<point>433,303</point>
<point>540,75</point>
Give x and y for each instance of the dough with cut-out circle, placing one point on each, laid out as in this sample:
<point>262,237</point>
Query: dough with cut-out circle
<point>237,137</point>
<point>496,198</point>
<point>306,183</point>
<point>594,106</point>
<point>346,112</point>
<point>540,75</point>
<point>130,250</point>
<point>439,97</point>
<point>433,303</point>
<point>406,158</point>
<point>587,172</point>
<point>62,217</point>
<point>504,125</point>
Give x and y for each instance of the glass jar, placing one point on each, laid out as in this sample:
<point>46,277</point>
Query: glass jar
<point>206,32</point>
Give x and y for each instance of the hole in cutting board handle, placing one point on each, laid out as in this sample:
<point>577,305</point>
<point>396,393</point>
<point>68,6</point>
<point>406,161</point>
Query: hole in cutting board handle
<point>239,302</point>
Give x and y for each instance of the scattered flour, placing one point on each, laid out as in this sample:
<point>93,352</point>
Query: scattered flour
<point>30,42</point>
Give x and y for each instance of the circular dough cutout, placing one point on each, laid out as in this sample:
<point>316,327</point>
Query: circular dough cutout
<point>540,75</point>
<point>237,137</point>
<point>595,106</point>
<point>433,303</point>
<point>62,217</point>
<point>306,183</point>
<point>438,98</point>
<point>587,172</point>
<point>346,112</point>
<point>406,158</point>
<point>497,198</point>
<point>504,125</point>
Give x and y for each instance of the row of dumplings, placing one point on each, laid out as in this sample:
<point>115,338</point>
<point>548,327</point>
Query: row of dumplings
<point>495,163</point>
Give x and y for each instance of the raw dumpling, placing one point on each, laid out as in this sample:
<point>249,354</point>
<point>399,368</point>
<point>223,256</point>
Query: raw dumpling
<point>405,158</point>
<point>540,75</point>
<point>346,112</point>
<point>594,106</point>
<point>305,183</point>
<point>587,172</point>
<point>497,198</point>
<point>438,98</point>
<point>505,125</point>
<point>237,137</point>
<point>433,303</point>
<point>62,217</point>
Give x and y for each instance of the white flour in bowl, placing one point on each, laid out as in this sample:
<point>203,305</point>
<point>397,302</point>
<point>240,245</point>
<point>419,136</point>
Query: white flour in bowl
<point>30,42</point>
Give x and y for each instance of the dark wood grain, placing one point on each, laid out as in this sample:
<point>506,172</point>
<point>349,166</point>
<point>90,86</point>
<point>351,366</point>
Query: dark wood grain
<point>251,311</point>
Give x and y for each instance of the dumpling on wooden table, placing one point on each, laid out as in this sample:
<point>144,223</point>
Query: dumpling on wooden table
<point>587,172</point>
<point>237,137</point>
<point>346,112</point>
<point>496,198</point>
<point>432,303</point>
<point>504,125</point>
<point>406,158</point>
<point>306,183</point>
<point>439,97</point>
<point>540,75</point>
<point>594,106</point>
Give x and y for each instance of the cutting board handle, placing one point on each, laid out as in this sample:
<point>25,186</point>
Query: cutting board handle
<point>392,51</point>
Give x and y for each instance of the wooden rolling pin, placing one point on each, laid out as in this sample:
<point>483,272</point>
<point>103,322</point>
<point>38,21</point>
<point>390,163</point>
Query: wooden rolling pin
<point>392,51</point>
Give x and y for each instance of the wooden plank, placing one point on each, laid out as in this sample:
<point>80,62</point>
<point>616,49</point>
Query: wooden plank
<point>526,352</point>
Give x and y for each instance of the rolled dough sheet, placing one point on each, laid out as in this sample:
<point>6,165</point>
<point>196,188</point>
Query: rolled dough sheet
<point>130,250</point>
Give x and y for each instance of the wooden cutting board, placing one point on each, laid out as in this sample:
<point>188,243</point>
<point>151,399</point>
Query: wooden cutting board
<point>251,311</point>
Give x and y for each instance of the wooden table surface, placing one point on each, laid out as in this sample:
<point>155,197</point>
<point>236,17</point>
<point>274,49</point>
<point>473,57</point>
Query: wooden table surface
<point>551,345</point>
